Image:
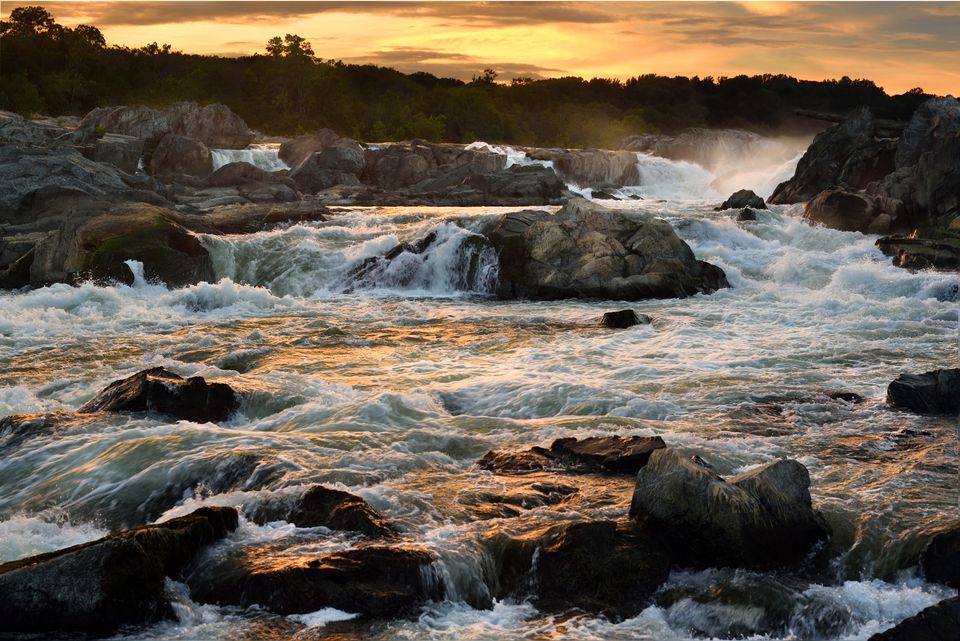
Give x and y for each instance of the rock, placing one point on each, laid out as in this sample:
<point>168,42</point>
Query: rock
<point>250,218</point>
<point>510,503</point>
<point>936,392</point>
<point>587,251</point>
<point>338,164</point>
<point>162,391</point>
<point>238,173</point>
<point>592,167</point>
<point>15,130</point>
<point>213,125</point>
<point>846,155</point>
<point>929,153</point>
<point>322,506</point>
<point>741,199</point>
<point>123,152</point>
<point>518,185</point>
<point>400,166</point>
<point>843,210</point>
<point>746,215</point>
<point>97,587</point>
<point>144,123</point>
<point>18,427</point>
<point>941,559</point>
<point>181,155</point>
<point>251,183</point>
<point>847,397</point>
<point>293,152</point>
<point>606,454</point>
<point>596,566</point>
<point>937,623</point>
<point>940,250</point>
<point>377,581</point>
<point>756,519</point>
<point>623,318</point>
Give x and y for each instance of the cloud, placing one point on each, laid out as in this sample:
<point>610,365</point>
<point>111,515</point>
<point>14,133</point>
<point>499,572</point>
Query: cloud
<point>449,64</point>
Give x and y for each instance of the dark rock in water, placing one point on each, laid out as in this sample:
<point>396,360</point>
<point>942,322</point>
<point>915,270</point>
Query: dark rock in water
<point>378,581</point>
<point>97,587</point>
<point>588,251</point>
<point>181,155</point>
<point>293,152</point>
<point>941,559</point>
<point>159,390</point>
<point>940,250</point>
<point>338,164</point>
<point>596,566</point>
<point>741,199</point>
<point>939,622</point>
<point>17,427</point>
<point>592,167</point>
<point>409,165</point>
<point>612,454</point>
<point>846,211</point>
<point>322,506</point>
<point>237,173</point>
<point>253,217</point>
<point>936,392</point>
<point>510,503</point>
<point>757,519</point>
<point>623,319</point>
<point>746,215</point>
<point>849,397</point>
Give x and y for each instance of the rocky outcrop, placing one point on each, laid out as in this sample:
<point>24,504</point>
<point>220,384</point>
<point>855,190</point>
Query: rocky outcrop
<point>937,623</point>
<point>936,392</point>
<point>938,249</point>
<point>178,155</point>
<point>595,566</point>
<point>325,507</point>
<point>123,152</point>
<point>846,211</point>
<point>592,167</point>
<point>604,454</point>
<point>293,152</point>
<point>623,319</point>
<point>846,155</point>
<point>160,390</point>
<point>941,558</point>
<point>97,587</point>
<point>400,166</point>
<point>337,164</point>
<point>588,251</point>
<point>377,581</point>
<point>741,199</point>
<point>760,518</point>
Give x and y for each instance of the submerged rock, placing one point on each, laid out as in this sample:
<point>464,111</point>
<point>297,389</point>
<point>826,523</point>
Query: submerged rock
<point>937,623</point>
<point>378,581</point>
<point>623,319</point>
<point>322,506</point>
<point>741,199</point>
<point>97,587</point>
<point>936,392</point>
<point>759,518</point>
<point>588,251</point>
<point>746,215</point>
<point>160,390</point>
<point>941,559</point>
<point>613,454</point>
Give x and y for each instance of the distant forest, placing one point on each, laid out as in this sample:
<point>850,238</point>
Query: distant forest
<point>46,68</point>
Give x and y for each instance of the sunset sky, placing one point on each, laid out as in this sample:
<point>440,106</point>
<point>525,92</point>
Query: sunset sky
<point>899,45</point>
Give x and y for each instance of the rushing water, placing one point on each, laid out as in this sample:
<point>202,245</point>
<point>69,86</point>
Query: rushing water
<point>392,383</point>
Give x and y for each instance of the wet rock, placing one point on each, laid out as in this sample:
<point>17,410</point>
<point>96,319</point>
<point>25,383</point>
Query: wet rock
<point>293,152</point>
<point>741,199</point>
<point>17,427</point>
<point>623,318</point>
<point>936,392</point>
<point>610,454</point>
<point>941,559</point>
<point>937,623</point>
<point>517,185</point>
<point>513,502</point>
<point>97,587</point>
<point>160,390</point>
<point>939,250</point>
<point>181,155</point>
<point>588,251</point>
<point>592,167</point>
<point>250,218</point>
<point>848,397</point>
<point>760,518</point>
<point>746,215</point>
<point>846,211</point>
<point>322,506</point>
<point>377,581</point>
<point>596,566</point>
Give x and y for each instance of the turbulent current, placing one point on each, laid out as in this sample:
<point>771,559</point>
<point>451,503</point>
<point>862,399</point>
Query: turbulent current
<point>391,382</point>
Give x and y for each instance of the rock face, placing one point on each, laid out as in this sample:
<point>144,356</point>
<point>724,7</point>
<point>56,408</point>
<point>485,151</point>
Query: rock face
<point>743,198</point>
<point>605,454</point>
<point>936,392</point>
<point>846,211</point>
<point>293,152</point>
<point>123,152</point>
<point>937,250</point>
<point>937,623</point>
<point>181,155</point>
<point>587,251</point>
<point>401,166</point>
<point>160,390</point>
<point>941,559</point>
<point>847,155</point>
<point>592,167</point>
<point>97,587</point>
<point>338,164</point>
<point>213,125</point>
<point>623,319</point>
<point>596,566</point>
<point>322,506</point>
<point>756,519</point>
<point>378,581</point>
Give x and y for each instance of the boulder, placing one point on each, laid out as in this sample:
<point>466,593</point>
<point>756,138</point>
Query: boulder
<point>845,155</point>
<point>181,155</point>
<point>759,518</point>
<point>123,152</point>
<point>587,251</point>
<point>15,130</point>
<point>936,392</point>
<point>938,250</point>
<point>17,427</point>
<point>338,164</point>
<point>592,167</point>
<point>160,390</point>
<point>293,152</point>
<point>400,166</point>
<point>741,199</point>
<point>596,566</point>
<point>324,507</point>
<point>941,559</point>
<point>623,319</point>
<point>604,454</point>
<point>238,173</point>
<point>846,211</point>
<point>746,215</point>
<point>99,586</point>
<point>377,581</point>
<point>213,125</point>
<point>144,123</point>
<point>937,623</point>
<point>250,218</point>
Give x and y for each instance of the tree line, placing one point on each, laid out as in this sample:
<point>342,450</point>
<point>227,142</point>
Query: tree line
<point>46,68</point>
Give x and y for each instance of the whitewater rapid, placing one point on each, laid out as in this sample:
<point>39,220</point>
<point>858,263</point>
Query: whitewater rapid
<point>391,386</point>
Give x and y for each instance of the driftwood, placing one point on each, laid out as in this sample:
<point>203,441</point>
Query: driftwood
<point>885,127</point>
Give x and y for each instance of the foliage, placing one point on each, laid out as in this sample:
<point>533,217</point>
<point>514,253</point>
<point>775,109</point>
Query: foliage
<point>46,67</point>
